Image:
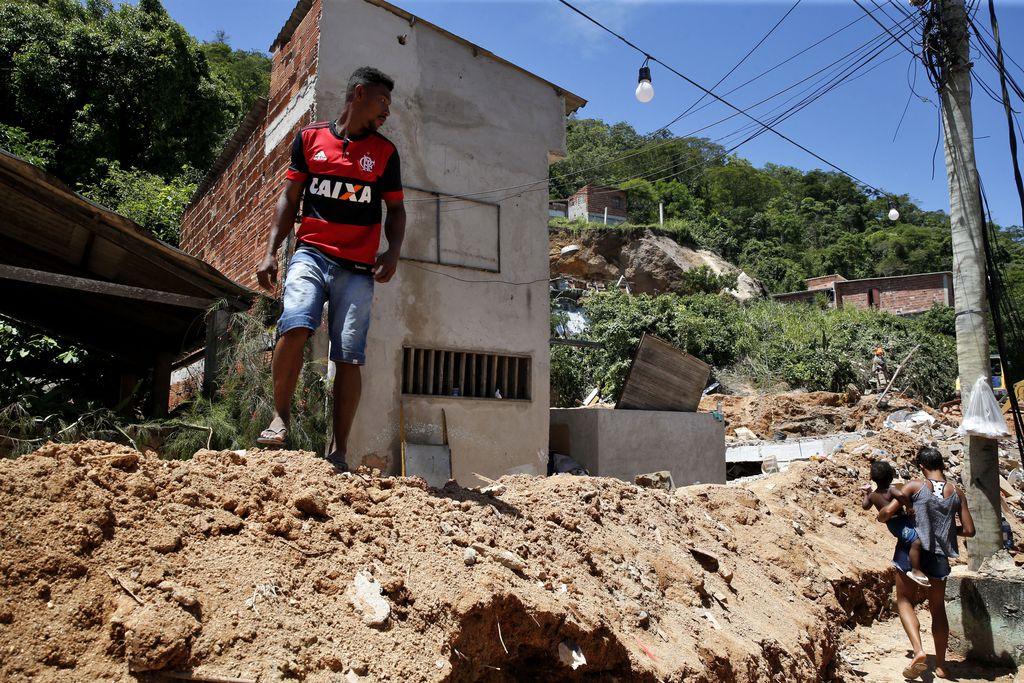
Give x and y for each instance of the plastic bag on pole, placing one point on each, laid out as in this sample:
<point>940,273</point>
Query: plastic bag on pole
<point>983,417</point>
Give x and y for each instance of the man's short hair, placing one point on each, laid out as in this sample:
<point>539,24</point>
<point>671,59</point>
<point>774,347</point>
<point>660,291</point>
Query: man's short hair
<point>367,75</point>
<point>882,473</point>
<point>930,458</point>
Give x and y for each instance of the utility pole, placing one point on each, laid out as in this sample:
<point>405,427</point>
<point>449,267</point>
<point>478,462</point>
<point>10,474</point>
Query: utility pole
<point>981,456</point>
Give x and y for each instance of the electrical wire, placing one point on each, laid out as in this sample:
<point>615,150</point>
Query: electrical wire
<point>870,49</point>
<point>543,183</point>
<point>739,63</point>
<point>693,83</point>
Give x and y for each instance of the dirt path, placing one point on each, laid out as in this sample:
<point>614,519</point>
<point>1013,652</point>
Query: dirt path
<point>878,653</point>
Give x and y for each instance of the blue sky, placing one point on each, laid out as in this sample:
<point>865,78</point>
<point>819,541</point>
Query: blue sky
<point>852,126</point>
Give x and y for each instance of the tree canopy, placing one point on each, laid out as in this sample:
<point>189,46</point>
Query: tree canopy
<point>778,223</point>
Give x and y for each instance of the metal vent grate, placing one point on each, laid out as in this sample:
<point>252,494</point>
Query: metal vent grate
<point>436,372</point>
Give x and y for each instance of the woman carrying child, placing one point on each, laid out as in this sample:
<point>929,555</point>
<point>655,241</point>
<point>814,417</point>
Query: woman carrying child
<point>936,503</point>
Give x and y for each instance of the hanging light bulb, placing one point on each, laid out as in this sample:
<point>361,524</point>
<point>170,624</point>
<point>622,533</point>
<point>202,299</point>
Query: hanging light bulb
<point>644,89</point>
<point>894,214</point>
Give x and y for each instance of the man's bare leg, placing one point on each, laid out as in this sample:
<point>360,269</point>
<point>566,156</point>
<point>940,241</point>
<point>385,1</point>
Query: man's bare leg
<point>348,387</point>
<point>285,369</point>
<point>940,625</point>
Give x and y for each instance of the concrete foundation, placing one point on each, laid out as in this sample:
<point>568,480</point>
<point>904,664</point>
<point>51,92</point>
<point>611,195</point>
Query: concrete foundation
<point>986,616</point>
<point>625,443</point>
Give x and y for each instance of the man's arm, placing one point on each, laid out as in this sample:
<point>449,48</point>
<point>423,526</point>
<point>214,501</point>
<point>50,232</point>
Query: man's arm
<point>394,230</point>
<point>284,222</point>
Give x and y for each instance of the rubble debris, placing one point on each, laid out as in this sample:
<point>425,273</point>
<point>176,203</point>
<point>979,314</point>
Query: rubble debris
<point>585,557</point>
<point>569,653</point>
<point>365,597</point>
<point>656,480</point>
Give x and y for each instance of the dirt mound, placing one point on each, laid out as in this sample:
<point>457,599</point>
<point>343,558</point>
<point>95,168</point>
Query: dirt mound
<point>814,413</point>
<point>245,565</point>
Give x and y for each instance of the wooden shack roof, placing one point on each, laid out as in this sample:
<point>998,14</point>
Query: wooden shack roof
<point>80,271</point>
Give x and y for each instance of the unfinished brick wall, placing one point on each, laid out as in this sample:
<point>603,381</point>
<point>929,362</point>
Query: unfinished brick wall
<point>902,295</point>
<point>824,281</point>
<point>599,198</point>
<point>807,297</point>
<point>228,225</point>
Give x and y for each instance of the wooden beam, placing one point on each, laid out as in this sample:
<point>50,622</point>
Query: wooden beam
<point>213,355</point>
<point>40,277</point>
<point>161,384</point>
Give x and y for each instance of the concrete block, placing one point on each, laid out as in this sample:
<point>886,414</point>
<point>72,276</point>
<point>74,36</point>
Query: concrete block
<point>625,443</point>
<point>986,616</point>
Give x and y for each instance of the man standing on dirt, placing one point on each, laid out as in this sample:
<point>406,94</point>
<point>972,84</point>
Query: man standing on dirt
<point>342,170</point>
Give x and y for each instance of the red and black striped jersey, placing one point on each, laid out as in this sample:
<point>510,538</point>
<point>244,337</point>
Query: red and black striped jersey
<point>345,179</point>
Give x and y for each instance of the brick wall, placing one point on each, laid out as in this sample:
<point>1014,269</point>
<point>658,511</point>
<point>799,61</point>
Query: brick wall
<point>904,295</point>
<point>823,282</point>
<point>599,198</point>
<point>228,225</point>
<point>807,297</point>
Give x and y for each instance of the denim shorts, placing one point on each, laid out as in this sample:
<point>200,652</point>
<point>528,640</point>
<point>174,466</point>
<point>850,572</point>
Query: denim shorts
<point>313,279</point>
<point>933,565</point>
<point>902,528</point>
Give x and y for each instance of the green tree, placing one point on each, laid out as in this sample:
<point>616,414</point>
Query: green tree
<point>18,141</point>
<point>149,200</point>
<point>126,84</point>
<point>244,73</point>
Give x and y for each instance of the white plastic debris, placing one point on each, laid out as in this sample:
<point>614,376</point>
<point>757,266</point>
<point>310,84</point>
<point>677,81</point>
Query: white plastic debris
<point>983,417</point>
<point>569,653</point>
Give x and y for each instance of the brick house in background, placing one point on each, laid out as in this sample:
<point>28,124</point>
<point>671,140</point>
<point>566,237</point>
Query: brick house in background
<point>458,340</point>
<point>900,294</point>
<point>590,203</point>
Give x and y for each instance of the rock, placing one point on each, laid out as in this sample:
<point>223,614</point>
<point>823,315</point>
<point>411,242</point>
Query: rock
<point>797,528</point>
<point>495,489</point>
<point>744,434</point>
<point>360,668</point>
<point>656,480</point>
<point>708,560</point>
<point>180,595</point>
<point>469,556</point>
<point>365,597</point>
<point>852,394</point>
<point>726,574</point>
<point>502,557</point>
<point>157,636</point>
<point>310,503</point>
<point>165,540</point>
<point>836,521</point>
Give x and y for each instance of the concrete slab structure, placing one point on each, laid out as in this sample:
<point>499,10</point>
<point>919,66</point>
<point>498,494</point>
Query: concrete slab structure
<point>986,616</point>
<point>625,443</point>
<point>785,452</point>
<point>475,134</point>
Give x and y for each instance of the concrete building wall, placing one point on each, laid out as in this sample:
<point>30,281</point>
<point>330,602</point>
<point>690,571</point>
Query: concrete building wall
<point>625,443</point>
<point>900,295</point>
<point>463,123</point>
<point>227,225</point>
